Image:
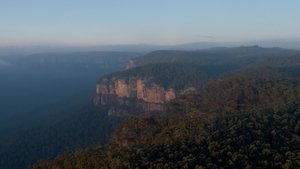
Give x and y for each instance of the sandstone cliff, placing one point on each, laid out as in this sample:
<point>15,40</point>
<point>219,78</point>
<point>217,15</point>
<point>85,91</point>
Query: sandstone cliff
<point>133,93</point>
<point>130,64</point>
<point>135,88</point>
<point>148,88</point>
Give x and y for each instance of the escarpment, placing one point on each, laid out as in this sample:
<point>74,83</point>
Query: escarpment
<point>140,89</point>
<point>146,89</point>
<point>134,94</point>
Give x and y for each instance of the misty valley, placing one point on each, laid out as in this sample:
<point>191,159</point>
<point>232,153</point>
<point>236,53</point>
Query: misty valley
<point>149,84</point>
<point>218,107</point>
<point>44,100</point>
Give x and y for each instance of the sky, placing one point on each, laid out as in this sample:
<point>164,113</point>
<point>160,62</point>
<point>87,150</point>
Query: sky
<point>99,22</point>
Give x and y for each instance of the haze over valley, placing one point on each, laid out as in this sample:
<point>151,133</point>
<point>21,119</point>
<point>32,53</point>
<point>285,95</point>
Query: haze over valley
<point>158,84</point>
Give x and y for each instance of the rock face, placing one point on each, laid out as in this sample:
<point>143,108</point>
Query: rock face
<point>136,88</point>
<point>133,93</point>
<point>130,64</point>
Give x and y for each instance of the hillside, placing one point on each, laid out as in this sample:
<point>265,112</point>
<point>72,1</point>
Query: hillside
<point>241,114</point>
<point>242,117</point>
<point>237,122</point>
<point>238,56</point>
<point>150,81</point>
<point>148,88</point>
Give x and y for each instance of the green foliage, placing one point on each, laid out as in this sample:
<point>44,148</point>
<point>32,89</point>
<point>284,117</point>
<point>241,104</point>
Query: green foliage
<point>182,69</point>
<point>171,75</point>
<point>215,56</point>
<point>243,94</point>
<point>233,123</point>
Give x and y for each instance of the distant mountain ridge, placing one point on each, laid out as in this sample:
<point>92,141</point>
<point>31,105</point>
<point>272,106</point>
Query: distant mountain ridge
<point>216,56</point>
<point>158,77</point>
<point>143,48</point>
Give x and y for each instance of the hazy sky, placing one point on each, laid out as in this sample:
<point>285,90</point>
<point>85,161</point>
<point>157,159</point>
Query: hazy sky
<point>91,22</point>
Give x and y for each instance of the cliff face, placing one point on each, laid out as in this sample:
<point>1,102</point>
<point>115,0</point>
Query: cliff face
<point>134,93</point>
<point>136,88</point>
<point>130,64</point>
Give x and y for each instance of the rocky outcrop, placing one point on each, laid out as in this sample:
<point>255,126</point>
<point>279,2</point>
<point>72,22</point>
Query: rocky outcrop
<point>145,89</point>
<point>130,64</point>
<point>136,88</point>
<point>132,94</point>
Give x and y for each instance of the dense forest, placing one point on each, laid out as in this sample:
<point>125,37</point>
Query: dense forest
<point>171,75</point>
<point>112,84</point>
<point>183,69</point>
<point>238,56</point>
<point>235,122</point>
<point>244,113</point>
